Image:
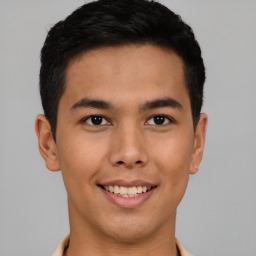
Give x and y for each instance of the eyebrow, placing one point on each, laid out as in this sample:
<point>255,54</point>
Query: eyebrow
<point>160,103</point>
<point>92,103</point>
<point>102,104</point>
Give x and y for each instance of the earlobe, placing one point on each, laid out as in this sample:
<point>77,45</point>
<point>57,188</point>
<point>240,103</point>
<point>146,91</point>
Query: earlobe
<point>46,143</point>
<point>199,142</point>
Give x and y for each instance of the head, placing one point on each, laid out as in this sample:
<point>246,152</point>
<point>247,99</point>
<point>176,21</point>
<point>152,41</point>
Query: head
<point>115,23</point>
<point>122,86</point>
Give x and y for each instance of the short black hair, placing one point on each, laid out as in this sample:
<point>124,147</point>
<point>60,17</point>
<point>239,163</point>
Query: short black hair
<point>114,23</point>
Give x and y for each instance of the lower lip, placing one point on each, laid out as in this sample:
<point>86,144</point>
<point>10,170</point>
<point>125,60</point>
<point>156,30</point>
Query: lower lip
<point>128,202</point>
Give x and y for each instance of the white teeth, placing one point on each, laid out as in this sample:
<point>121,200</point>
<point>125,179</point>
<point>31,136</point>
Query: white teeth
<point>127,191</point>
<point>139,189</point>
<point>132,191</point>
<point>123,190</point>
<point>116,189</point>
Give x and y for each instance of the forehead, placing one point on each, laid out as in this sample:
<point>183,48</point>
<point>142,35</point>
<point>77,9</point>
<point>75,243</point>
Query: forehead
<point>125,75</point>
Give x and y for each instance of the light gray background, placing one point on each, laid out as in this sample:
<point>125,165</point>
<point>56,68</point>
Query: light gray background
<point>217,215</point>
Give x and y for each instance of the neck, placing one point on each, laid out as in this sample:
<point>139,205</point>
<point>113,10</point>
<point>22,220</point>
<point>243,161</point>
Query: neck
<point>116,239</point>
<point>86,240</point>
<point>123,249</point>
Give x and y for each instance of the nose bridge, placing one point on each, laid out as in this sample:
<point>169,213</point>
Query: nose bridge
<point>128,147</point>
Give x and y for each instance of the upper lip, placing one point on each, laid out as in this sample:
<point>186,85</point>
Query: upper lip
<point>126,183</point>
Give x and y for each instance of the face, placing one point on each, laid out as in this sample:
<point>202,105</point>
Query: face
<point>125,141</point>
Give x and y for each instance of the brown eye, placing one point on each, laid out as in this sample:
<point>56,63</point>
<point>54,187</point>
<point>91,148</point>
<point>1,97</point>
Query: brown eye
<point>96,120</point>
<point>159,120</point>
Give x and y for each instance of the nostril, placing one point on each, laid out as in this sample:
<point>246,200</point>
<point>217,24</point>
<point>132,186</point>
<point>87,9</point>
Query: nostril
<point>122,162</point>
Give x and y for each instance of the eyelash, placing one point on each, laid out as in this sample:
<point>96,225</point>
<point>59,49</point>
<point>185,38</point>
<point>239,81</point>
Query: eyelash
<point>84,120</point>
<point>166,118</point>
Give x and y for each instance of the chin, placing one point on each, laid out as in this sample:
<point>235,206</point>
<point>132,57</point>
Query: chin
<point>129,236</point>
<point>129,230</point>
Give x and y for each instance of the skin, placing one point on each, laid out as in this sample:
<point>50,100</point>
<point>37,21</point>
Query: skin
<point>128,145</point>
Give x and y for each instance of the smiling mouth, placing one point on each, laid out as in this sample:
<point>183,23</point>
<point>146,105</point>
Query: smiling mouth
<point>127,192</point>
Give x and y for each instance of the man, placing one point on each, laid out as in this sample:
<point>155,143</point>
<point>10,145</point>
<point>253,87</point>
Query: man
<point>121,83</point>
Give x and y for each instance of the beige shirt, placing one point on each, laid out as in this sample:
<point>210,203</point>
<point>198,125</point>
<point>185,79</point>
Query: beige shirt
<point>63,245</point>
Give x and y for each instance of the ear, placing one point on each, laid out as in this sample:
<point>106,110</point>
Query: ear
<point>46,143</point>
<point>199,142</point>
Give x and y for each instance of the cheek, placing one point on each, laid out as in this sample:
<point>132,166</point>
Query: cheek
<point>173,152</point>
<point>80,158</point>
<point>172,158</point>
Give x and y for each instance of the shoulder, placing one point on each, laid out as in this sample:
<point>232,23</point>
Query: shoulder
<point>62,246</point>
<point>183,251</point>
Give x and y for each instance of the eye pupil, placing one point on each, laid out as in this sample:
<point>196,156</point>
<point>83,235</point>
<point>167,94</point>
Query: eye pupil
<point>159,120</point>
<point>96,120</point>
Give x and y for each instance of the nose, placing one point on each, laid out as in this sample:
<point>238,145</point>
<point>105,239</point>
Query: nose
<point>128,149</point>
